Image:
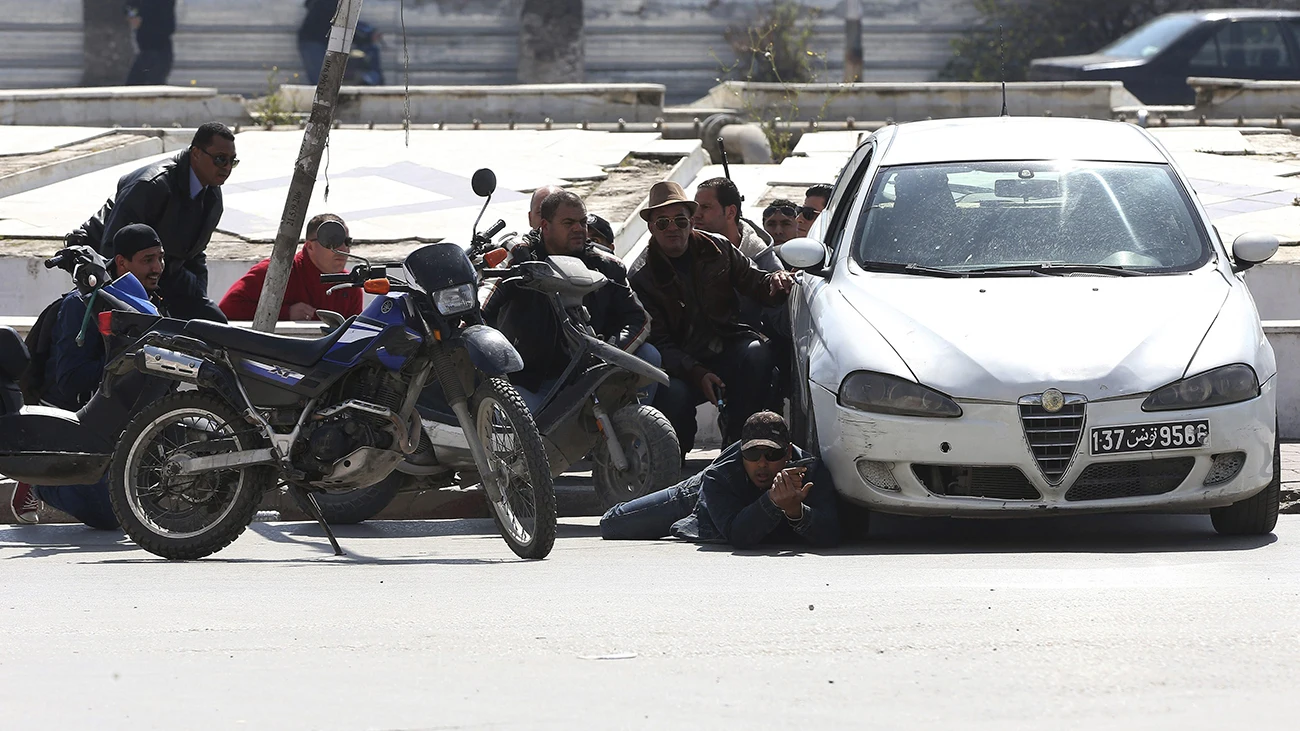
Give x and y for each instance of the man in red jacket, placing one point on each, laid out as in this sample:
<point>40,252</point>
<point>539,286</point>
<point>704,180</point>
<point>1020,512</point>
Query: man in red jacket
<point>305,292</point>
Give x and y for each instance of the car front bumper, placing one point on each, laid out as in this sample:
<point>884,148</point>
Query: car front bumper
<point>918,466</point>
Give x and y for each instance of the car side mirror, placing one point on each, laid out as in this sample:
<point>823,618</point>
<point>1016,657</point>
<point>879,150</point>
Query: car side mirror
<point>803,254</point>
<point>1251,249</point>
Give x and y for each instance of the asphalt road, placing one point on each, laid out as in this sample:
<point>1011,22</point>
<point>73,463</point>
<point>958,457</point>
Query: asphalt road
<point>1148,622</point>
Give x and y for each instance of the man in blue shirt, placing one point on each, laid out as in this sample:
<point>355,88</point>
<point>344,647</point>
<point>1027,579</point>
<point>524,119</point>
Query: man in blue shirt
<point>746,497</point>
<point>73,373</point>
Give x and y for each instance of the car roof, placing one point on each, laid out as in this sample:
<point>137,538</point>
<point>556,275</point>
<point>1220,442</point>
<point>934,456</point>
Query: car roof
<point>1239,13</point>
<point>1016,138</point>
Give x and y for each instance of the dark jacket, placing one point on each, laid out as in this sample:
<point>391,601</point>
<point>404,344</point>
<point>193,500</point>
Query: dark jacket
<point>690,323</point>
<point>73,372</point>
<point>159,195</point>
<point>529,321</point>
<point>157,24</point>
<point>316,24</point>
<point>732,509</point>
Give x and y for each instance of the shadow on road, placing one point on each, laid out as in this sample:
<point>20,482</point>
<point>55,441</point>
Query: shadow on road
<point>61,539</point>
<point>903,535</point>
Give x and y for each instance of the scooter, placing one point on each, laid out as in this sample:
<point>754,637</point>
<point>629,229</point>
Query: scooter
<point>47,446</point>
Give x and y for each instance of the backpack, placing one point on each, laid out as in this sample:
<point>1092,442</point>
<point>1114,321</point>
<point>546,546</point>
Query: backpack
<point>40,340</point>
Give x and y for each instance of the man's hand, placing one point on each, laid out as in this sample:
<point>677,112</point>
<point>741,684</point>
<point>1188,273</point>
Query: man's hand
<point>780,282</point>
<point>299,311</point>
<point>788,492</point>
<point>711,386</point>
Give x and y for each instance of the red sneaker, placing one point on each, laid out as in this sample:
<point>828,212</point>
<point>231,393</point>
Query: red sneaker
<point>25,504</point>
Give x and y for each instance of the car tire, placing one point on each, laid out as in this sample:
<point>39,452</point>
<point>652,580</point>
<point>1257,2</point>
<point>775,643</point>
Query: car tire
<point>1257,514</point>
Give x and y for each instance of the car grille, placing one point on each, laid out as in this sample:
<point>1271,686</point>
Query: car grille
<point>1053,437</point>
<point>998,483</point>
<point>1130,479</point>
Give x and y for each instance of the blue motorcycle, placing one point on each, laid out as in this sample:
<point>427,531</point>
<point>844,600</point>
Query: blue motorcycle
<point>328,415</point>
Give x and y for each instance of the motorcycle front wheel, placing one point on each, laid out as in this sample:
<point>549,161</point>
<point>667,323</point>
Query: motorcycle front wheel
<point>185,516</point>
<point>525,515</point>
<point>654,457</point>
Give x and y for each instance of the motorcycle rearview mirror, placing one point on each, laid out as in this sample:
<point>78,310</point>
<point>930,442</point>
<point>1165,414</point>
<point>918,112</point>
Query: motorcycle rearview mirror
<point>332,235</point>
<point>484,182</point>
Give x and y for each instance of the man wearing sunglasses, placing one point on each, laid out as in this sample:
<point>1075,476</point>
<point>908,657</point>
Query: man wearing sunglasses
<point>304,293</point>
<point>746,497</point>
<point>814,202</point>
<point>691,285</point>
<point>781,221</point>
<point>180,198</point>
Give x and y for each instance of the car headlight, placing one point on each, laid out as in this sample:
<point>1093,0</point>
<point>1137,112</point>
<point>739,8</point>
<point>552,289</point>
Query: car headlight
<point>1226,385</point>
<point>892,395</point>
<point>454,300</point>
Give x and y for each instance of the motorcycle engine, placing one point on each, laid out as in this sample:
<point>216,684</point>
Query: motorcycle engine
<point>339,435</point>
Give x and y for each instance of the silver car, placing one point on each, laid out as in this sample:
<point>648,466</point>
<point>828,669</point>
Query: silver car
<point>1021,316</point>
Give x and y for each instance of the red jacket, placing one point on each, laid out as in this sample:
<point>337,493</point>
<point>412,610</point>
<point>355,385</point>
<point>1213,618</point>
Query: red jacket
<point>240,302</point>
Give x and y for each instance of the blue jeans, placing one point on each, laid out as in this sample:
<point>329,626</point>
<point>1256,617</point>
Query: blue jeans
<point>651,516</point>
<point>646,352</point>
<point>87,503</point>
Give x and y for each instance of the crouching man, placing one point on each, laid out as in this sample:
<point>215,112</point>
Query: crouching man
<point>746,497</point>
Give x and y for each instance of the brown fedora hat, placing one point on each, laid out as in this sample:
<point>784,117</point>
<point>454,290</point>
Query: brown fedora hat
<point>666,193</point>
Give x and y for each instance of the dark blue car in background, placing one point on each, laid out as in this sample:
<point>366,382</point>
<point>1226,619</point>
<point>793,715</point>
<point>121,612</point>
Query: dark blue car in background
<point>1155,60</point>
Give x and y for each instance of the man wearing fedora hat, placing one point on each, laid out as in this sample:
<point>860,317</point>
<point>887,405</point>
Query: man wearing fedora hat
<point>691,285</point>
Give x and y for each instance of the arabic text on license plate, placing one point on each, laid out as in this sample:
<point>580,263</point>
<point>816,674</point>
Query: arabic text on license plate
<point>1148,437</point>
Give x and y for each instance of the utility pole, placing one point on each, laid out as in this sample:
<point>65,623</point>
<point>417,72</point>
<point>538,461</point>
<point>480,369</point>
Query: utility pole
<point>314,138</point>
<point>853,40</point>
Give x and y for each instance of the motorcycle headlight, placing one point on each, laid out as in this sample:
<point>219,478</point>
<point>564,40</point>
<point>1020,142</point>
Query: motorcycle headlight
<point>884,394</point>
<point>1226,385</point>
<point>454,300</point>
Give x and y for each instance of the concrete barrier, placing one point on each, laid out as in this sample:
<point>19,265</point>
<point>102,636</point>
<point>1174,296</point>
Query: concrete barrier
<point>126,106</point>
<point>910,102</point>
<point>532,103</point>
<point>1229,98</point>
<point>1285,337</point>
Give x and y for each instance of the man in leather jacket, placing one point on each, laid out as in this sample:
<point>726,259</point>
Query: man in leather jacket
<point>528,320</point>
<point>180,198</point>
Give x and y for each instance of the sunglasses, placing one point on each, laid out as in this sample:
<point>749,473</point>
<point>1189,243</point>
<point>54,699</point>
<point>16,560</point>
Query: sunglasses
<point>790,211</point>
<point>769,454</point>
<point>809,213</point>
<point>221,161</point>
<point>344,247</point>
<point>679,221</point>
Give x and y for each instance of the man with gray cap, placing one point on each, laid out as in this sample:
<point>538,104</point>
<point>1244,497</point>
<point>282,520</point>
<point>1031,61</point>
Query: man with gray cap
<point>72,372</point>
<point>749,495</point>
<point>691,285</point>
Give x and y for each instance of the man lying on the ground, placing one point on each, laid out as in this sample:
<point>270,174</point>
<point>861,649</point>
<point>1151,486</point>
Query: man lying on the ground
<point>747,496</point>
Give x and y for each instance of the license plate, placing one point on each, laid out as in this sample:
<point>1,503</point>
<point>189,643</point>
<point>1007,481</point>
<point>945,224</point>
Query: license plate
<point>1149,437</point>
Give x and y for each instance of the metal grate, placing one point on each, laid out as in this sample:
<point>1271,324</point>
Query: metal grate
<point>1053,437</point>
<point>1224,468</point>
<point>1109,480</point>
<point>998,483</point>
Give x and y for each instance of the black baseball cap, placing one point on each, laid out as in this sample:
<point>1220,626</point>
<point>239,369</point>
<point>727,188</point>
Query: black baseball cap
<point>598,225</point>
<point>765,429</point>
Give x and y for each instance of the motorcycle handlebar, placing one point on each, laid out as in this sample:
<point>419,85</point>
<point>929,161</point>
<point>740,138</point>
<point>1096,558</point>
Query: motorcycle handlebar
<point>496,229</point>
<point>344,278</point>
<point>54,261</point>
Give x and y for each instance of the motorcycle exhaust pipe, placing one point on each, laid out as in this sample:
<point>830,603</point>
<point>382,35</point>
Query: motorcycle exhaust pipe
<point>169,363</point>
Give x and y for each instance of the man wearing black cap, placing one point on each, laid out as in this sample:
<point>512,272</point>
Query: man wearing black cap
<point>72,374</point>
<point>747,496</point>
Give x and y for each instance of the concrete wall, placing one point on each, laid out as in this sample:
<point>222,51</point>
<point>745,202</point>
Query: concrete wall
<point>233,45</point>
<point>909,102</point>
<point>128,106</point>
<point>1228,98</point>
<point>491,104</point>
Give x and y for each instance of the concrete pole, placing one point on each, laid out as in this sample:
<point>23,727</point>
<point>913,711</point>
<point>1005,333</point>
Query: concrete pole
<point>852,40</point>
<point>304,171</point>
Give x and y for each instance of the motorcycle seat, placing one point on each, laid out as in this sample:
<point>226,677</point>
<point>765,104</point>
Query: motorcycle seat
<point>295,351</point>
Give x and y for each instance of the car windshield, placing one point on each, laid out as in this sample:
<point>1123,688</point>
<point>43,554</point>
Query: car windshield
<point>1043,217</point>
<point>1150,39</point>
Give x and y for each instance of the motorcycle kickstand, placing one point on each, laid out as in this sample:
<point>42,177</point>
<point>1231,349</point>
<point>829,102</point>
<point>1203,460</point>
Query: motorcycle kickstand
<point>313,509</point>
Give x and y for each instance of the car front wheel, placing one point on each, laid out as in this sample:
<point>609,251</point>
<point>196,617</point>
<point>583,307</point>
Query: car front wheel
<point>1257,514</point>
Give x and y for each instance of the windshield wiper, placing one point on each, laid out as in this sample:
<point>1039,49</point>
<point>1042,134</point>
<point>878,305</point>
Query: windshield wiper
<point>896,268</point>
<point>1059,269</point>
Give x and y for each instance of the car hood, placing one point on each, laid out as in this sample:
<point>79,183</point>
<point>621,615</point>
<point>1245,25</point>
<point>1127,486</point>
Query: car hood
<point>1003,338</point>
